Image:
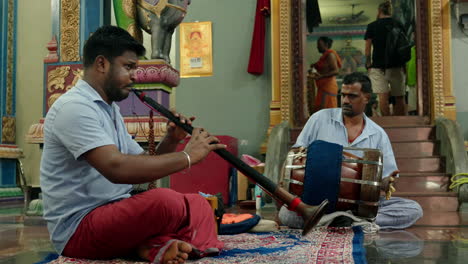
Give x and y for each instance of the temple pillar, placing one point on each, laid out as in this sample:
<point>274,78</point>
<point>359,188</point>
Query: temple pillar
<point>440,60</point>
<point>280,109</point>
<point>9,151</point>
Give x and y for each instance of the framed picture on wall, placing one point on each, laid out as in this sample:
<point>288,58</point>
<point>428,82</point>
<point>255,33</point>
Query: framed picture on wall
<point>196,57</point>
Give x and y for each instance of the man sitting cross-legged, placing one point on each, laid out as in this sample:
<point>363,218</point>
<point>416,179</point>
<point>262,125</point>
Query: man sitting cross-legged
<point>350,127</point>
<point>89,162</point>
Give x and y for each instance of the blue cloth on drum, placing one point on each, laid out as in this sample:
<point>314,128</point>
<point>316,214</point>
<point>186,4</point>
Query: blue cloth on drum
<point>322,173</point>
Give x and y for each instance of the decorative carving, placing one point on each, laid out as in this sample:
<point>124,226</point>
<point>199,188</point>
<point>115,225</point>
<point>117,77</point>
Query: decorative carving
<point>422,52</point>
<point>138,127</point>
<point>8,130</point>
<point>78,74</point>
<point>35,133</point>
<point>437,61</point>
<point>70,30</point>
<point>52,99</point>
<point>285,62</point>
<point>446,37</point>
<point>10,152</point>
<point>10,58</point>
<point>151,146</point>
<point>52,47</point>
<point>298,90</point>
<point>56,78</point>
<point>151,71</point>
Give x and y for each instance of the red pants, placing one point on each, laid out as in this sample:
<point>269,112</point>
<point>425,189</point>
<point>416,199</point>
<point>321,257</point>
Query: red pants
<point>151,218</point>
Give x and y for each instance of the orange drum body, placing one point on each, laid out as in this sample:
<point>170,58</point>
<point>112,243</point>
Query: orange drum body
<point>357,188</point>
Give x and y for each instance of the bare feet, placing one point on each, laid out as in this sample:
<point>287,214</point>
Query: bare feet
<point>177,252</point>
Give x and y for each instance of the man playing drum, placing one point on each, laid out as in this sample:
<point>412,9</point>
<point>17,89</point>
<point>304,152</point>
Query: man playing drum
<point>350,127</point>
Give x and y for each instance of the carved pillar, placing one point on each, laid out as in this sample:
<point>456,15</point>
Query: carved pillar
<point>8,149</point>
<point>443,101</point>
<point>70,30</point>
<point>298,106</point>
<point>281,64</point>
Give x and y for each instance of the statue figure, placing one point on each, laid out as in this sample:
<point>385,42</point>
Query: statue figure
<point>157,17</point>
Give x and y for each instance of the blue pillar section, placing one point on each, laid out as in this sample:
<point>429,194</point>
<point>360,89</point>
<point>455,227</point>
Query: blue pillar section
<point>7,173</point>
<point>7,59</point>
<point>3,57</point>
<point>93,15</point>
<point>8,15</point>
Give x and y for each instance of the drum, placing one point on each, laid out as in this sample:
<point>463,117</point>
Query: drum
<point>349,182</point>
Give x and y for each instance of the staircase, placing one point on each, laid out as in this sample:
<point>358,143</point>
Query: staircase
<point>422,172</point>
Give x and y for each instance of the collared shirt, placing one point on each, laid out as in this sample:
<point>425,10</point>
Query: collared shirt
<point>327,125</point>
<point>79,121</point>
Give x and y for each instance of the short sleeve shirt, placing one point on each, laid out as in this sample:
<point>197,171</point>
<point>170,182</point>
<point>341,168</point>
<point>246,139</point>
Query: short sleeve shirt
<point>377,31</point>
<point>327,125</point>
<point>79,121</point>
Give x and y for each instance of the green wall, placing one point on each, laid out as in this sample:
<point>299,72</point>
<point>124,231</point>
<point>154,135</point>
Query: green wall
<point>34,32</point>
<point>232,101</point>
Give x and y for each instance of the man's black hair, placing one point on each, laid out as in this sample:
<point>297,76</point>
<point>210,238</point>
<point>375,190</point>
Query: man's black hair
<point>357,77</point>
<point>110,42</point>
<point>328,41</point>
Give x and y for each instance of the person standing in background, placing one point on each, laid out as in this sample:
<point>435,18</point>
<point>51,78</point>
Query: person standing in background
<point>386,74</point>
<point>327,67</point>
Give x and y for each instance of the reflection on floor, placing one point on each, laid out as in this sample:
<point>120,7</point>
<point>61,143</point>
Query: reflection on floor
<point>25,240</point>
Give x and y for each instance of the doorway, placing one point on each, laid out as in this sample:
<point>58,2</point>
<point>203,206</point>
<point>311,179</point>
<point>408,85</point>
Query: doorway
<point>345,23</point>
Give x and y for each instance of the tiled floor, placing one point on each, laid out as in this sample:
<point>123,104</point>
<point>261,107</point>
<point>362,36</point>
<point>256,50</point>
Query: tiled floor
<point>25,240</point>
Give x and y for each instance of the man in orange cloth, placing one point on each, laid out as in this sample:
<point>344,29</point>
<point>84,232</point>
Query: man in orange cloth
<point>327,67</point>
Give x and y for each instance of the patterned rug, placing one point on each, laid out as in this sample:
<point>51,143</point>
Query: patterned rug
<point>332,245</point>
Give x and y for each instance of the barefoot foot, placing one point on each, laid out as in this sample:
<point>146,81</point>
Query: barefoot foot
<point>177,252</point>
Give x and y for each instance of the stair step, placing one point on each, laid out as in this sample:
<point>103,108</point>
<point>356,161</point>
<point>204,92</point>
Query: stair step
<point>432,201</point>
<point>424,183</point>
<point>399,121</point>
<point>410,133</point>
<point>420,164</point>
<point>420,148</point>
<point>437,218</point>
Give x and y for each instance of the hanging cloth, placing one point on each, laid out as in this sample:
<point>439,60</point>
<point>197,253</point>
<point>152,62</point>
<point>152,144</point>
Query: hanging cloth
<point>257,50</point>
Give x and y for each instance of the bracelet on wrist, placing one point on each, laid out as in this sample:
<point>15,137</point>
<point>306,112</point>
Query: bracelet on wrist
<point>188,159</point>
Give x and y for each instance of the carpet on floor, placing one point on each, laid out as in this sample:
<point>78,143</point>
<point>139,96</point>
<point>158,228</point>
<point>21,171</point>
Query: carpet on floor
<point>321,245</point>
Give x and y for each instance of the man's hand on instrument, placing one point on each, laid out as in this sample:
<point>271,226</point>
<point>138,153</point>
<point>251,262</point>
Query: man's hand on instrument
<point>201,144</point>
<point>174,132</point>
<point>387,184</point>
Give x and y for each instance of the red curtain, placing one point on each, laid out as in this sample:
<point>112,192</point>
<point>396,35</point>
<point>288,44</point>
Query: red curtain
<point>257,51</point>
